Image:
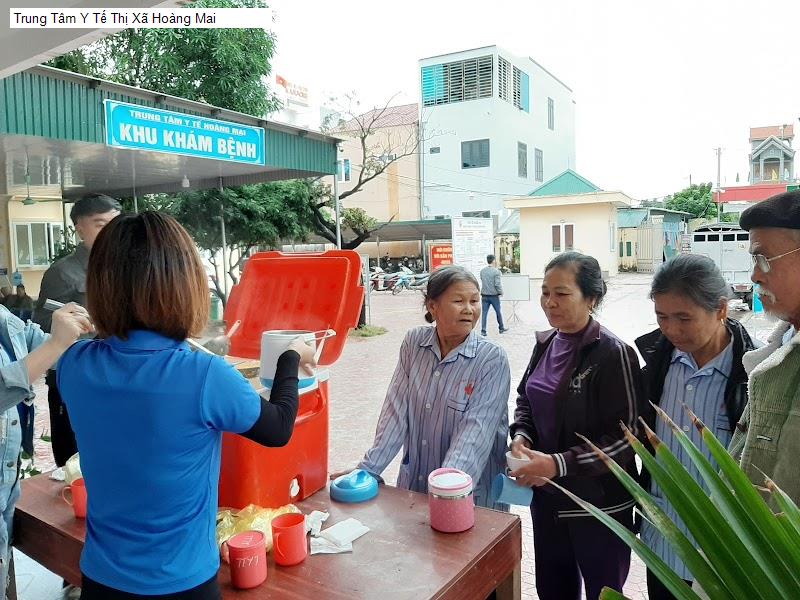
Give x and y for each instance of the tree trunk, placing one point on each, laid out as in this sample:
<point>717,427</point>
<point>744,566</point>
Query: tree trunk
<point>362,319</point>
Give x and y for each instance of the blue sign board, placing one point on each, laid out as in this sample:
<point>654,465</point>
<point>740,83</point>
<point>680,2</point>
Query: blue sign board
<point>143,128</point>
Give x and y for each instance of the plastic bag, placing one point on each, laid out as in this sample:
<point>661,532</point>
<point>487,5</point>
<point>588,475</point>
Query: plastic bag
<point>231,522</point>
<point>72,470</point>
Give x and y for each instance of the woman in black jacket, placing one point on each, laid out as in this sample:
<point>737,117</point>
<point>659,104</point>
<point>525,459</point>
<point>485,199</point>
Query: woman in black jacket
<point>581,379</point>
<point>693,358</point>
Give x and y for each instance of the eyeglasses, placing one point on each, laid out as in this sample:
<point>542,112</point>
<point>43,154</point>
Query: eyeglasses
<point>762,262</point>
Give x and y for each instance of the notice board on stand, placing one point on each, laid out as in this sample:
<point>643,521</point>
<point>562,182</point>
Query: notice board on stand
<point>516,287</point>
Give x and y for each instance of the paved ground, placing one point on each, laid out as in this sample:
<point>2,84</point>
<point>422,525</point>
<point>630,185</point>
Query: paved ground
<point>360,377</point>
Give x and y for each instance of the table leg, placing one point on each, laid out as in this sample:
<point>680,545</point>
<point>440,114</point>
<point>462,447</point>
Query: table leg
<point>511,587</point>
<point>11,590</point>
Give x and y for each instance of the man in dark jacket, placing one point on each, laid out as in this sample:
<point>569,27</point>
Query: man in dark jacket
<point>65,281</point>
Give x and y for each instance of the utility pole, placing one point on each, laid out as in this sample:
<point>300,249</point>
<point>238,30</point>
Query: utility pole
<point>224,240</point>
<point>336,201</point>
<point>719,191</point>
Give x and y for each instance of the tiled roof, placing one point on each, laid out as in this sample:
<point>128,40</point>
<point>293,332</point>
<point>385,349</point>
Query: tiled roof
<point>566,184</point>
<point>391,116</point>
<point>762,133</point>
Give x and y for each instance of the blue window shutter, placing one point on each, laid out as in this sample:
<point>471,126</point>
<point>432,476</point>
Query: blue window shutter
<point>432,84</point>
<point>524,85</point>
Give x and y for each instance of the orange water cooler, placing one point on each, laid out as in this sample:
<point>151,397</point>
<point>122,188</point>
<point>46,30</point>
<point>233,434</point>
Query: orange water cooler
<point>310,292</point>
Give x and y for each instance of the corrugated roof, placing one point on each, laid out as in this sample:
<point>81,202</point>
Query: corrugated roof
<point>566,184</point>
<point>389,116</point>
<point>510,225</point>
<point>632,217</point>
<point>762,133</point>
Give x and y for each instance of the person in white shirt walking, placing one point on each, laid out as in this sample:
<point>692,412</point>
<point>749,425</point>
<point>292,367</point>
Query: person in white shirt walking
<point>491,290</point>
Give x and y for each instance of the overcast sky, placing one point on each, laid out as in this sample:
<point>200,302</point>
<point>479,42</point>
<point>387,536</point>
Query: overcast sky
<point>658,85</point>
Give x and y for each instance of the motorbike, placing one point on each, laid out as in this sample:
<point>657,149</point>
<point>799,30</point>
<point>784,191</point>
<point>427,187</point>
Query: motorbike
<point>381,281</point>
<point>408,280</point>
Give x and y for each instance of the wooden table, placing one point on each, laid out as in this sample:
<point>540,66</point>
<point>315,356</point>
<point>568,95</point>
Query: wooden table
<point>400,558</point>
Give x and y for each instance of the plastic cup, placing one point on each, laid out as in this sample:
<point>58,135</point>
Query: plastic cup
<point>247,552</point>
<point>289,543</point>
<point>78,498</point>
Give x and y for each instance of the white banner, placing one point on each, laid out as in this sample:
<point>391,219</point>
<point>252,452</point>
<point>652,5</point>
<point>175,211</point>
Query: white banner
<point>140,18</point>
<point>473,240</point>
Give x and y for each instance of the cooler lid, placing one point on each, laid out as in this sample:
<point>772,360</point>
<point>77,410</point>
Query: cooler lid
<point>311,292</point>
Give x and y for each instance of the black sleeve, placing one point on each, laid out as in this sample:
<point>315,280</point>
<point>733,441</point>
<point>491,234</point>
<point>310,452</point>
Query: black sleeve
<point>275,424</point>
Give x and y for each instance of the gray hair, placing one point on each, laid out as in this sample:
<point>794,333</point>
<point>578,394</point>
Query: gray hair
<point>693,276</point>
<point>441,279</point>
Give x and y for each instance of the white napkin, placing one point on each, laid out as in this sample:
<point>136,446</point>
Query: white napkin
<point>338,538</point>
<point>314,521</point>
<point>344,532</point>
<point>320,545</point>
<point>58,474</point>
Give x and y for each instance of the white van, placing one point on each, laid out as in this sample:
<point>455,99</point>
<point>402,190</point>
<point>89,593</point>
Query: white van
<point>727,245</point>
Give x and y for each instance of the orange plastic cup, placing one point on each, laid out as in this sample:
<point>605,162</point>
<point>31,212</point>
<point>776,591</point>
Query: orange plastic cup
<point>78,499</point>
<point>248,557</point>
<point>289,542</point>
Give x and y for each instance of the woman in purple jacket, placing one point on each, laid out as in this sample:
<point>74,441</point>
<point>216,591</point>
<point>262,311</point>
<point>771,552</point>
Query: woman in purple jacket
<point>581,379</point>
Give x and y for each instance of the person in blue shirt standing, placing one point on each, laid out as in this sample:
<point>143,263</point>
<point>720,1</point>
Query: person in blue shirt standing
<point>693,358</point>
<point>26,352</point>
<point>148,414</point>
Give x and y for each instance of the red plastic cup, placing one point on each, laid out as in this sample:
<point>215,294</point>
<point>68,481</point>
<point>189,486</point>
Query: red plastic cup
<point>289,543</point>
<point>78,499</point>
<point>247,552</point>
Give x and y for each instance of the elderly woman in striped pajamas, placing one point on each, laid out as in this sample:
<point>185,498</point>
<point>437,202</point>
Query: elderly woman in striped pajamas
<point>447,403</point>
<point>694,357</point>
<point>581,379</point>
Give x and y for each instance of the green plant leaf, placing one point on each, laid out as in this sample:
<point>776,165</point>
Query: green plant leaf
<point>763,542</point>
<point>754,504</point>
<point>674,584</point>
<point>715,537</point>
<point>685,548</point>
<point>790,512</point>
<point>609,594</point>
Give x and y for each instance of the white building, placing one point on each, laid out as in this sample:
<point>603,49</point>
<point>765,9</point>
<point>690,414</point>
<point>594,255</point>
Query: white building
<point>299,104</point>
<point>493,125</point>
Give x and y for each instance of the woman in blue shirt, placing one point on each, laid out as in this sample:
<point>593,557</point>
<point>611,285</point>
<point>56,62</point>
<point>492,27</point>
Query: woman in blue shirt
<point>148,415</point>
<point>26,352</point>
<point>694,357</point>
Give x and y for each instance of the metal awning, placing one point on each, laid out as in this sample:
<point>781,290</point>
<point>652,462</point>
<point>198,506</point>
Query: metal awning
<point>400,231</point>
<point>54,120</point>
<point>409,231</point>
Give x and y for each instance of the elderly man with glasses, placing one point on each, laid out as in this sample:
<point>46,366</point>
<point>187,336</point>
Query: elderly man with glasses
<point>767,440</point>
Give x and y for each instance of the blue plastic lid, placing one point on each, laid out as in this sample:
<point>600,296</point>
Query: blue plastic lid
<point>356,486</point>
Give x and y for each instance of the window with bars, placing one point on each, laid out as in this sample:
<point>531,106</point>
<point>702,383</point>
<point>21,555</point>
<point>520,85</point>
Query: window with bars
<point>513,84</point>
<point>538,164</point>
<point>522,159</point>
<point>503,69</point>
<point>474,154</point>
<point>551,114</point>
<point>458,81</point>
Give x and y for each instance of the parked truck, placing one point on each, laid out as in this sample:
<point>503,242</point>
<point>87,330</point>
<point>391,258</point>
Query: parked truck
<point>727,245</point>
